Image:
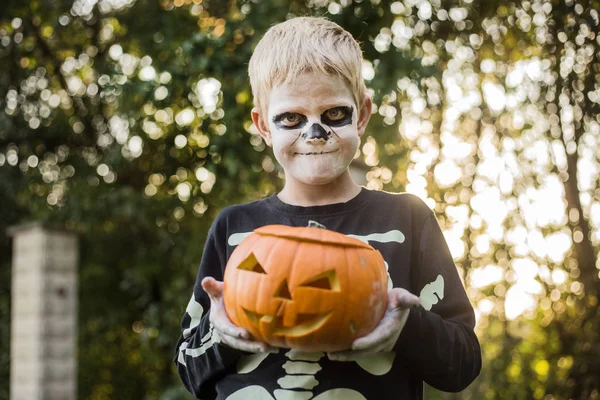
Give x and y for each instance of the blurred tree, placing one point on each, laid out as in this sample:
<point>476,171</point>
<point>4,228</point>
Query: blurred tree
<point>129,122</point>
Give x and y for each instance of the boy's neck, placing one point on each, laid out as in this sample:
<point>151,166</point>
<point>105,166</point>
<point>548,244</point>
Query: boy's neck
<point>341,190</point>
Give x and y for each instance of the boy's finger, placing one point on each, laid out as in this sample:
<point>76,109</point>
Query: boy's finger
<point>350,355</point>
<point>246,345</point>
<point>341,356</point>
<point>240,344</point>
<point>389,329</point>
<point>401,298</point>
<point>354,355</point>
<point>221,322</point>
<point>378,336</point>
<point>385,344</point>
<point>230,329</point>
<point>213,287</point>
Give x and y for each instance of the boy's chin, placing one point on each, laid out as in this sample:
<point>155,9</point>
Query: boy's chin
<point>319,179</point>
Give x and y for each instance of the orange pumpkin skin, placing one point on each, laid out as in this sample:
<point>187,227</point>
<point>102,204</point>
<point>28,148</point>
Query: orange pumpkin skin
<point>305,288</point>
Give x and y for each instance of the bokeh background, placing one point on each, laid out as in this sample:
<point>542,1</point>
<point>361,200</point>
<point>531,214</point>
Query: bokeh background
<point>129,122</point>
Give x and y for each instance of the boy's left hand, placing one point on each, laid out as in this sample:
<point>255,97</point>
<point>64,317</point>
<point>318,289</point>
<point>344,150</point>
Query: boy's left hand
<point>386,333</point>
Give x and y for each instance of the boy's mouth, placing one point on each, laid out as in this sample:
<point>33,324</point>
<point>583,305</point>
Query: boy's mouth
<point>311,153</point>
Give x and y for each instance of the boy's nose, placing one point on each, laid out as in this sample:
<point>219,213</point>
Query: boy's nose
<point>315,132</point>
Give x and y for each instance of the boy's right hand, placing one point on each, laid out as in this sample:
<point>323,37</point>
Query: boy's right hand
<point>229,334</point>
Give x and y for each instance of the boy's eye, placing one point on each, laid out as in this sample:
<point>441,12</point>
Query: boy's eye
<point>289,120</point>
<point>335,114</point>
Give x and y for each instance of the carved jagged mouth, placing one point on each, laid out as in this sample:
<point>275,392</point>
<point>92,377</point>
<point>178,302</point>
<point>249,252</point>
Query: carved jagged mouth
<point>305,323</point>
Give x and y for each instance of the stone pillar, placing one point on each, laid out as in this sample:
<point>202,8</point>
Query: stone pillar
<point>44,313</point>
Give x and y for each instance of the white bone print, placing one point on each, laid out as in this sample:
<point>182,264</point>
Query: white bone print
<point>390,284</point>
<point>298,382</point>
<point>385,237</point>
<point>432,293</point>
<point>253,392</point>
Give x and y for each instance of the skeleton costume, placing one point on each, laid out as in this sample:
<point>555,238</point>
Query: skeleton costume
<point>437,344</point>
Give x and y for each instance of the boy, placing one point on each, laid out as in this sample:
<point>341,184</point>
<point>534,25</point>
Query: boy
<point>312,107</point>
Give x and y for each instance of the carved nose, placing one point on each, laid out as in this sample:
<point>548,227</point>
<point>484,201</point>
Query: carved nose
<point>284,292</point>
<point>315,132</point>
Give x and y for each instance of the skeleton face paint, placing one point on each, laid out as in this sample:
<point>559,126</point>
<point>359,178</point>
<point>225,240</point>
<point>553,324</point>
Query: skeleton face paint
<point>288,121</point>
<point>338,116</point>
<point>316,131</point>
<point>313,128</point>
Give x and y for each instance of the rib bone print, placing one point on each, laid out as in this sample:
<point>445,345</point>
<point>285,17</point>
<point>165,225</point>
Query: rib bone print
<point>298,382</point>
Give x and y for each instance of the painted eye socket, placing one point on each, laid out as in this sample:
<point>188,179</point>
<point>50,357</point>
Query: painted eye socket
<point>290,119</point>
<point>335,114</point>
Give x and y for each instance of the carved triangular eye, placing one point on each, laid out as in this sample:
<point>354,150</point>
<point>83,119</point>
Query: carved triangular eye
<point>326,281</point>
<point>284,292</point>
<point>321,283</point>
<point>251,264</point>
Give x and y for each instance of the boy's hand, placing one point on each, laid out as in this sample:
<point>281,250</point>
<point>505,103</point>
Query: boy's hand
<point>386,333</point>
<point>228,333</point>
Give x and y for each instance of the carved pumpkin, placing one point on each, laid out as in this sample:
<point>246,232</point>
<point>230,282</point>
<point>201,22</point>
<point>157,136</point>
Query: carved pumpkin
<point>305,288</point>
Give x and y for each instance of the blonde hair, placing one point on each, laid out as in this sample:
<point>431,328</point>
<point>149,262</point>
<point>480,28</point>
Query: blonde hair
<point>305,45</point>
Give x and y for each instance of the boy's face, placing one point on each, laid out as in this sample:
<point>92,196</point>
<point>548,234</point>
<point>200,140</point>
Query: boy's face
<point>313,126</point>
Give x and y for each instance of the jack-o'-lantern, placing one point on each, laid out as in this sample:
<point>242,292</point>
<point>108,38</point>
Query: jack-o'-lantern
<point>305,288</point>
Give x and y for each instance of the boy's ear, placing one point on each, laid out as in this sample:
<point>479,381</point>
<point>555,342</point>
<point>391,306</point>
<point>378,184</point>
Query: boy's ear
<point>364,114</point>
<point>261,125</point>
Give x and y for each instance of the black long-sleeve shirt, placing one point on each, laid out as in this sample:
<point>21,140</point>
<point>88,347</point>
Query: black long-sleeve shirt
<point>437,344</point>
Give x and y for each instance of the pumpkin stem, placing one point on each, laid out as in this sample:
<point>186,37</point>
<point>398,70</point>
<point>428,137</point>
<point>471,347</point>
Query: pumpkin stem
<point>315,224</point>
